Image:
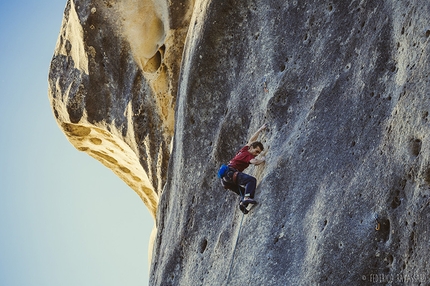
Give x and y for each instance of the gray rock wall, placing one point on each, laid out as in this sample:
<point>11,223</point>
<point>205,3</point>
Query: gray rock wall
<point>344,195</point>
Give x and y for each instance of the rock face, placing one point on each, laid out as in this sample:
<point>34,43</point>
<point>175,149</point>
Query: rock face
<point>112,86</point>
<point>344,87</point>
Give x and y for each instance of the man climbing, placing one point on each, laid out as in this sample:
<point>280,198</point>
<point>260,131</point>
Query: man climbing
<point>243,184</point>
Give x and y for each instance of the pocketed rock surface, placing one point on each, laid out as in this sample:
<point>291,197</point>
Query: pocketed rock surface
<point>344,88</point>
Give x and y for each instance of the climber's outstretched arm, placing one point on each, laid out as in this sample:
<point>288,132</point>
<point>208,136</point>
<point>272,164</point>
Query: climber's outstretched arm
<point>255,136</point>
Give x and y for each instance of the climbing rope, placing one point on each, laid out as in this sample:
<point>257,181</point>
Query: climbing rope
<point>234,249</point>
<point>237,239</point>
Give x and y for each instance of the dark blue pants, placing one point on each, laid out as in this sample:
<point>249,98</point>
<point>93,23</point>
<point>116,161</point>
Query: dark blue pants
<point>245,185</point>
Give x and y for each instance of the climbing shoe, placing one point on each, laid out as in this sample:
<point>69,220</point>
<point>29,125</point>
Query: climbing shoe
<point>243,208</point>
<point>248,201</point>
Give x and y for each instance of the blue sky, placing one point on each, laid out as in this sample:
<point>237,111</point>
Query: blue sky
<point>65,219</point>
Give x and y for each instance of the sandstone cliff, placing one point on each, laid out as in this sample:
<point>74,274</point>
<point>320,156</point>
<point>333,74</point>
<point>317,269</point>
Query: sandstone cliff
<point>344,88</point>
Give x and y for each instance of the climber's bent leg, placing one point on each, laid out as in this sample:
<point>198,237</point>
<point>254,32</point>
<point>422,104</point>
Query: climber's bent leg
<point>249,182</point>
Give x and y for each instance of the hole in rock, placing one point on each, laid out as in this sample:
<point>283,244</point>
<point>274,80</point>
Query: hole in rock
<point>153,63</point>
<point>203,245</point>
<point>396,201</point>
<point>162,50</point>
<point>76,130</point>
<point>384,229</point>
<point>416,147</point>
<point>325,224</point>
<point>282,67</point>
<point>96,141</point>
<point>412,236</point>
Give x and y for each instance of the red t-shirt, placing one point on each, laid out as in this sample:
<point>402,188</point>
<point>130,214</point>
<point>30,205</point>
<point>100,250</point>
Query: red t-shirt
<point>241,161</point>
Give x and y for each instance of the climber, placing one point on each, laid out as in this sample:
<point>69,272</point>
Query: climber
<point>232,177</point>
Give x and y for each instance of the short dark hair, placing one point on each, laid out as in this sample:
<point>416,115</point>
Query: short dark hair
<point>257,144</point>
